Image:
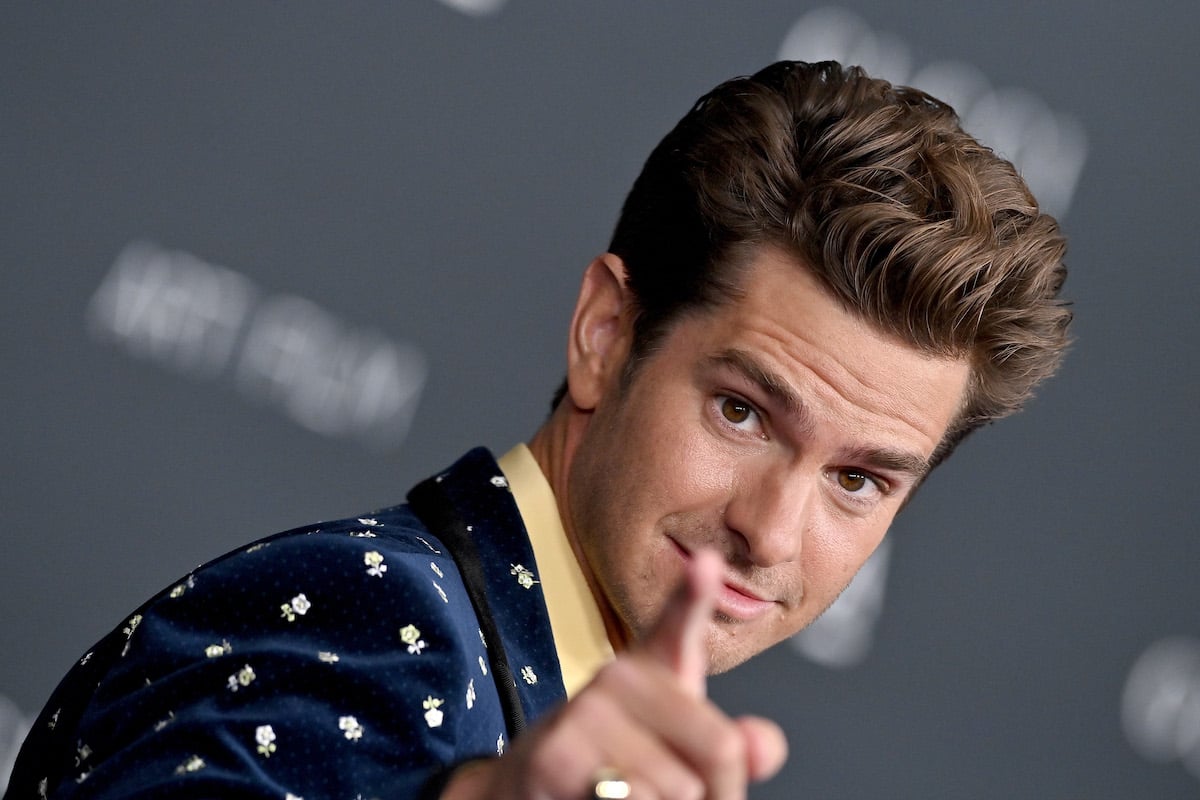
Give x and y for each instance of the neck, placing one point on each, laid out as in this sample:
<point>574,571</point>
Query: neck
<point>553,447</point>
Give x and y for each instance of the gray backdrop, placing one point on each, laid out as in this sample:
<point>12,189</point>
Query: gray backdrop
<point>270,263</point>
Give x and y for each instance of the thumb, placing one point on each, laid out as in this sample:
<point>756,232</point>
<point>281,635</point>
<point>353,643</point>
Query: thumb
<point>766,747</point>
<point>678,640</point>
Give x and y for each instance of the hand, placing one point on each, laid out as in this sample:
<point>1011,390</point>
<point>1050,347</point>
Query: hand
<point>646,715</point>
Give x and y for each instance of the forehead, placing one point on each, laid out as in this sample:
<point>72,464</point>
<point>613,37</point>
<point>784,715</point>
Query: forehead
<point>845,369</point>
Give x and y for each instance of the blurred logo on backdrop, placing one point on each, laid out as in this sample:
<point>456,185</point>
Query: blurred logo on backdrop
<point>842,636</point>
<point>1160,707</point>
<point>1048,148</point>
<point>208,322</point>
<point>475,8</point>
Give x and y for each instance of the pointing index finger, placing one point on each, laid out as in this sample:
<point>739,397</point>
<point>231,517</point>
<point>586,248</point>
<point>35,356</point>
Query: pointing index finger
<point>679,639</point>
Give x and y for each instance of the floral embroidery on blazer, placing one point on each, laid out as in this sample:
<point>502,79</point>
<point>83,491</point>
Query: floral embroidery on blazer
<point>336,660</point>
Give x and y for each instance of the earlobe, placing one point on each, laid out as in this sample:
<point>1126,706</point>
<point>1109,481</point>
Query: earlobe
<point>600,333</point>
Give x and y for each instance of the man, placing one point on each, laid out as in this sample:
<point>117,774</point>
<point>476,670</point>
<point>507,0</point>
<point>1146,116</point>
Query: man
<point>818,286</point>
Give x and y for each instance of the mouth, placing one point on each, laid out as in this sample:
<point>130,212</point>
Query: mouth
<point>734,600</point>
<point>739,603</point>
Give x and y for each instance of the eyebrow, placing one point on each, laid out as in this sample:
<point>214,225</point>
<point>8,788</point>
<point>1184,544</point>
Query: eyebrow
<point>775,387</point>
<point>772,384</point>
<point>899,461</point>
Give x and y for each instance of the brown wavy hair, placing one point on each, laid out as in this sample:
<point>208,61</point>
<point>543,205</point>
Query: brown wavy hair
<point>906,219</point>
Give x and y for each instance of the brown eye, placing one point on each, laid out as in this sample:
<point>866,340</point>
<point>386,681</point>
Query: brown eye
<point>852,481</point>
<point>735,411</point>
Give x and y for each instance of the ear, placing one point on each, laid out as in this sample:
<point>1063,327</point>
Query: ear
<point>601,332</point>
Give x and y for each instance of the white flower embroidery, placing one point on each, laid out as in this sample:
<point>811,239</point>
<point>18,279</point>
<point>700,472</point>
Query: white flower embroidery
<point>193,764</point>
<point>433,712</point>
<point>470,694</point>
<point>162,723</point>
<point>299,605</point>
<point>349,725</point>
<point>179,589</point>
<point>254,548</point>
<point>53,723</point>
<point>265,736</point>
<point>327,657</point>
<point>500,745</point>
<point>529,675</point>
<point>499,481</point>
<point>436,569</point>
<point>363,535</point>
<point>290,796</point>
<point>482,640</point>
<point>128,630</point>
<point>482,665</point>
<point>81,754</point>
<point>524,575</point>
<point>215,650</point>
<point>86,658</point>
<point>431,547</point>
<point>441,592</point>
<point>243,677</point>
<point>411,636</point>
<point>43,787</point>
<point>370,522</point>
<point>374,561</point>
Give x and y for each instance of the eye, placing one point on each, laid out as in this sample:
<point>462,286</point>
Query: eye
<point>851,480</point>
<point>736,411</point>
<point>859,483</point>
<point>737,416</point>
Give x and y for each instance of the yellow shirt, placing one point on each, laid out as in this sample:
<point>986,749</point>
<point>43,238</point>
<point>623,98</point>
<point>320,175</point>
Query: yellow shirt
<point>579,636</point>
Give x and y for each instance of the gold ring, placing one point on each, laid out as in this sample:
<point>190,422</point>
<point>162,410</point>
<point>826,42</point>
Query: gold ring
<point>610,785</point>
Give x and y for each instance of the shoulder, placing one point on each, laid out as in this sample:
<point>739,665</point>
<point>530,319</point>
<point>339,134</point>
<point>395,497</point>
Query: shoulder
<point>338,649</point>
<point>323,546</point>
<point>347,579</point>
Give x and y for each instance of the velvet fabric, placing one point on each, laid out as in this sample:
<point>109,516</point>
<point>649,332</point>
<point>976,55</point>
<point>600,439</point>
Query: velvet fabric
<point>342,659</point>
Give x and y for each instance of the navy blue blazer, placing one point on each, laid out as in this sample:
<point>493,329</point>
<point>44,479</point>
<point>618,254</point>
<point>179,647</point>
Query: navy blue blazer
<point>337,660</point>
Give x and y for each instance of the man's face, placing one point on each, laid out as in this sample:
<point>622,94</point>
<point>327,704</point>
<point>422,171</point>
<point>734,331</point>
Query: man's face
<point>777,429</point>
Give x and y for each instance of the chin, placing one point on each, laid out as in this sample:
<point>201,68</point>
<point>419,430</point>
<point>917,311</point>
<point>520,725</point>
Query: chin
<point>724,655</point>
<point>724,662</point>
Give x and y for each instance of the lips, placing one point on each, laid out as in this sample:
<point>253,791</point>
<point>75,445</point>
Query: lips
<point>734,599</point>
<point>741,604</point>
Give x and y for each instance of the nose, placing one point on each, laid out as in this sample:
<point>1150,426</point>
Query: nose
<point>768,511</point>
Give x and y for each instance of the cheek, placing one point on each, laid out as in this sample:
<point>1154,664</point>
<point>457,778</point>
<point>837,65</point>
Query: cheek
<point>832,557</point>
<point>676,466</point>
<point>684,486</point>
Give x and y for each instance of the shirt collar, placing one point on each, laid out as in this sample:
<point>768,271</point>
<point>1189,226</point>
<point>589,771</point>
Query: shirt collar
<point>575,621</point>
